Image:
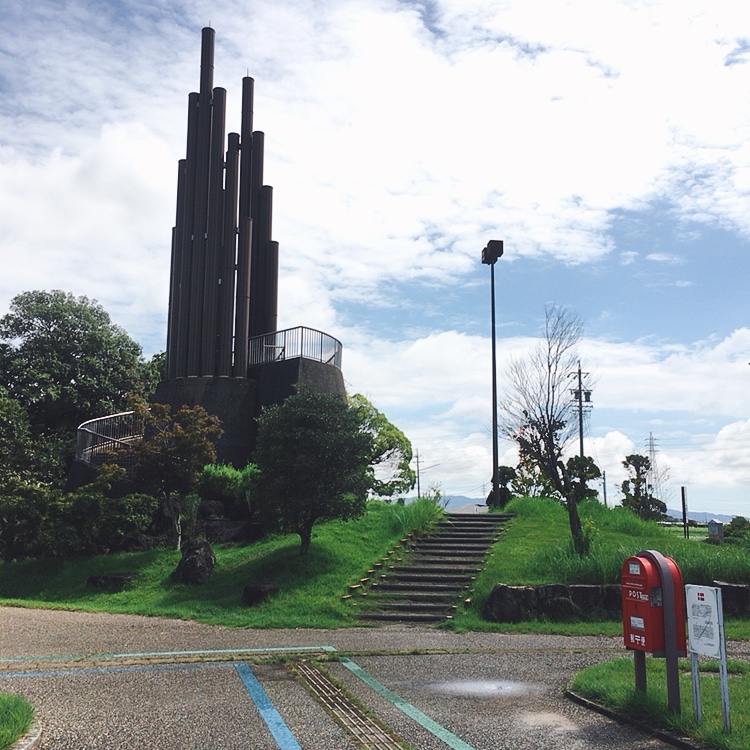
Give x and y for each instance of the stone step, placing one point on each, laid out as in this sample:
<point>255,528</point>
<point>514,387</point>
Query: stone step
<point>423,587</point>
<point>440,567</point>
<point>421,607</point>
<point>402,617</point>
<point>431,578</point>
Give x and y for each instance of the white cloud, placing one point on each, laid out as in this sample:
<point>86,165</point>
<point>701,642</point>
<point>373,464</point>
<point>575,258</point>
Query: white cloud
<point>399,137</point>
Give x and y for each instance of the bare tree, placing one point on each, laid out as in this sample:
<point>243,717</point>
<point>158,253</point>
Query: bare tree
<point>538,413</point>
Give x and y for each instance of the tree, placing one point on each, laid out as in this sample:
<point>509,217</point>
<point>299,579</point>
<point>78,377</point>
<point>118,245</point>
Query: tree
<point>636,492</point>
<point>538,412</point>
<point>392,453</point>
<point>313,452</point>
<point>16,445</point>
<point>169,461</point>
<point>64,360</point>
<point>581,470</point>
<point>505,475</point>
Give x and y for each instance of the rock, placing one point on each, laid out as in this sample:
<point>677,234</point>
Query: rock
<point>219,530</point>
<point>196,564</point>
<point>551,591</point>
<point>111,580</point>
<point>735,597</point>
<point>586,597</point>
<point>509,603</point>
<point>612,599</point>
<point>560,608</point>
<point>254,593</point>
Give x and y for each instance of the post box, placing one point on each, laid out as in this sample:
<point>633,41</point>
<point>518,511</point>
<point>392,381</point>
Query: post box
<point>643,604</point>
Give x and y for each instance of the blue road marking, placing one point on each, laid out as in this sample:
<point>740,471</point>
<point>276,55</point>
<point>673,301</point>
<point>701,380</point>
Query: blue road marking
<point>280,731</point>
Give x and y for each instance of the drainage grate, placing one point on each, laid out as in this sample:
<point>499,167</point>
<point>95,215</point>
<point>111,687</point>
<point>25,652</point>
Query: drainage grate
<point>348,715</point>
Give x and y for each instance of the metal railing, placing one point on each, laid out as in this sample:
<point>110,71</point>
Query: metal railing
<point>294,343</point>
<point>99,438</point>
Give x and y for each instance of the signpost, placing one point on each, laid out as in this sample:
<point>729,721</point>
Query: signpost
<point>705,619</point>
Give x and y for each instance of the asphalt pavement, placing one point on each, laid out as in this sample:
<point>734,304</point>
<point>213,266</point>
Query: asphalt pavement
<point>102,681</point>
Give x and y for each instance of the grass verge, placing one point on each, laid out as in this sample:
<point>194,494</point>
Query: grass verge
<point>16,717</point>
<point>613,685</point>
<point>310,588</point>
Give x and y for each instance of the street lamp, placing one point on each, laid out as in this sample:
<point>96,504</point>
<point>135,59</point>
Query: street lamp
<point>490,254</point>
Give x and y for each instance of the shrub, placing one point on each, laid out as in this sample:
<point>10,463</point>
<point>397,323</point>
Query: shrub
<point>40,521</point>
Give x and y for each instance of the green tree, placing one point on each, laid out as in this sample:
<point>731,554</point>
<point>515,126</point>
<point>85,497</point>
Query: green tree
<point>505,475</point>
<point>16,445</point>
<point>581,470</point>
<point>313,453</point>
<point>168,462</point>
<point>538,412</point>
<point>64,360</point>
<point>636,492</point>
<point>389,464</point>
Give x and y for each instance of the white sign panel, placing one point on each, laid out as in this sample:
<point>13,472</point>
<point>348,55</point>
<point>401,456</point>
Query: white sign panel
<point>704,632</point>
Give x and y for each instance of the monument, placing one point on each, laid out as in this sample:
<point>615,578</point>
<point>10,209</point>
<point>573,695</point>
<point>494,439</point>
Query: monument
<point>224,351</point>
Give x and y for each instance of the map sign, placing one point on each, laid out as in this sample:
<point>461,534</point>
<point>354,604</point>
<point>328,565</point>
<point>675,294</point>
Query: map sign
<point>704,631</point>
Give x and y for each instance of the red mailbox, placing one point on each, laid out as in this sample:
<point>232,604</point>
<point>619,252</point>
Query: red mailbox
<point>649,612</point>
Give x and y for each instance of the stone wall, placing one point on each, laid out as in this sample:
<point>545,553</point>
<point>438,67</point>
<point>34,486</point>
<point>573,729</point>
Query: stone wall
<point>558,602</point>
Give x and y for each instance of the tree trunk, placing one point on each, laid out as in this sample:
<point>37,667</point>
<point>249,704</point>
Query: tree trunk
<point>305,535</point>
<point>565,487</point>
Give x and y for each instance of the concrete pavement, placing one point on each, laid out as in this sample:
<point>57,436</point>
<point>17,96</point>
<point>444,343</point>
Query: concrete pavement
<point>103,681</point>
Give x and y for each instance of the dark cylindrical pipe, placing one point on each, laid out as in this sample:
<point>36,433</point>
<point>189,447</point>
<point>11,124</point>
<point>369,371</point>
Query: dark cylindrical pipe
<point>208,36</point>
<point>260,291</point>
<point>215,226</point>
<point>228,256</point>
<point>246,145</point>
<point>242,311</point>
<point>200,208</point>
<point>185,232</point>
<point>175,298</point>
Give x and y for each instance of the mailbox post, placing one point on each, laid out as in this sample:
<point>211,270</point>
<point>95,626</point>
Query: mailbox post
<point>653,616</point>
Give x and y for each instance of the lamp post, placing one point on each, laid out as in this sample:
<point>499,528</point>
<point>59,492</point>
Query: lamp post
<point>490,254</point>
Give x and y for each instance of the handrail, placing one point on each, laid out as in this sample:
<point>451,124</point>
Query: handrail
<point>100,436</point>
<point>293,343</point>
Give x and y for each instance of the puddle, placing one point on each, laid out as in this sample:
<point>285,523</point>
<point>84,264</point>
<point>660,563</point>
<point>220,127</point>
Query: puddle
<point>483,688</point>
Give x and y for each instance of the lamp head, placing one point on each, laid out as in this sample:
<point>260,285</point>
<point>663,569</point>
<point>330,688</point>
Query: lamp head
<point>492,252</point>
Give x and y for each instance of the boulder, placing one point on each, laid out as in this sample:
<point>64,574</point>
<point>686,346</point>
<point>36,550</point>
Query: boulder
<point>197,562</point>
<point>551,591</point>
<point>586,597</point>
<point>612,600</point>
<point>509,603</point>
<point>220,530</point>
<point>254,593</point>
<point>560,609</point>
<point>735,597</point>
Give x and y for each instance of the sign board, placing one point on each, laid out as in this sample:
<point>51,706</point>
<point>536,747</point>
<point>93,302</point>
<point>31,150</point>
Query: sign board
<point>704,632</point>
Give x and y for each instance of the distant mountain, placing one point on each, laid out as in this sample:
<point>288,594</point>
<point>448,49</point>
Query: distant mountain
<point>700,516</point>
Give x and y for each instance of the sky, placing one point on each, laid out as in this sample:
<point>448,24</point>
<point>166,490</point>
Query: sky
<point>606,143</point>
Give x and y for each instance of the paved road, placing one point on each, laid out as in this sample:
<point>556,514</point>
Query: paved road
<point>118,681</point>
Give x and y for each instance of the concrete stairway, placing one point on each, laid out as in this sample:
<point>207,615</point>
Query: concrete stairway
<point>443,565</point>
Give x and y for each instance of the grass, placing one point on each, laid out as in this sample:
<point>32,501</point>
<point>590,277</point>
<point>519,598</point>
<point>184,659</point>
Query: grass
<point>536,549</point>
<point>16,717</point>
<point>613,685</point>
<point>310,592</point>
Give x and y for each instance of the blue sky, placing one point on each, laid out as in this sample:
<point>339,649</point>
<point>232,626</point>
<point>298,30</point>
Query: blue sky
<point>607,143</point>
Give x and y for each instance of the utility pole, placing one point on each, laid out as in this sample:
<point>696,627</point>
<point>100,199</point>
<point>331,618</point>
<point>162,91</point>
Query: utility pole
<point>604,487</point>
<point>580,410</point>
<point>419,491</point>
